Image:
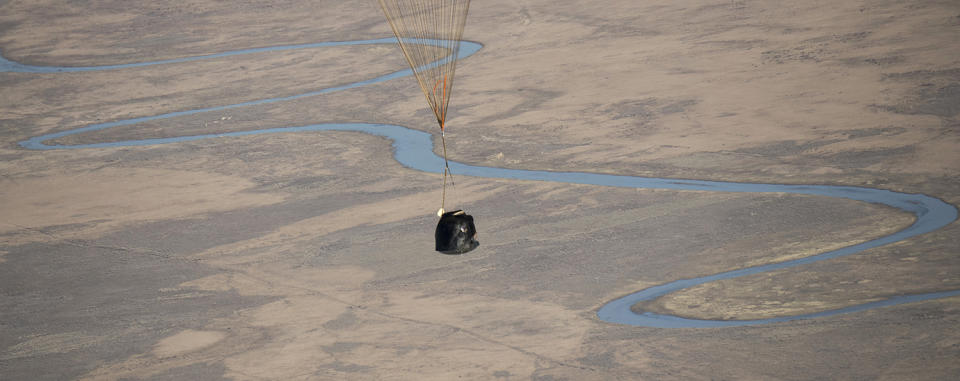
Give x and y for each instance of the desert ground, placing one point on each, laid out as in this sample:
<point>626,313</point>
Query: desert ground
<point>309,255</point>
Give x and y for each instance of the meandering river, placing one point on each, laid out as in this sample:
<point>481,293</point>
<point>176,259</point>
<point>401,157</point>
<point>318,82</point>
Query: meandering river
<point>414,149</point>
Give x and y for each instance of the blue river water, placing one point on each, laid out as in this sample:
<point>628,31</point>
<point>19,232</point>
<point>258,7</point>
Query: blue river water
<point>415,149</point>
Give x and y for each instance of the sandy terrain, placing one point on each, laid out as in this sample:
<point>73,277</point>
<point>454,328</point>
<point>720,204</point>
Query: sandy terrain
<point>309,255</point>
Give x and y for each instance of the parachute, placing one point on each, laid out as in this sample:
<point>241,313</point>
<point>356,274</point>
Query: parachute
<point>429,34</point>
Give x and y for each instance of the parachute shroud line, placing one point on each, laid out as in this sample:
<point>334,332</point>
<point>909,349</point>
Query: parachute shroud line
<point>434,64</point>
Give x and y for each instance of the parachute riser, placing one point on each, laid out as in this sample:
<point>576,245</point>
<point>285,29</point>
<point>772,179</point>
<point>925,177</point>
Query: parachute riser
<point>446,171</point>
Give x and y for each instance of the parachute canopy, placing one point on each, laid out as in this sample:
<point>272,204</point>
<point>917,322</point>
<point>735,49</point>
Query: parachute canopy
<point>429,33</point>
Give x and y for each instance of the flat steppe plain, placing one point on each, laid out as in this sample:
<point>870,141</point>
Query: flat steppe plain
<point>309,255</point>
